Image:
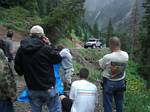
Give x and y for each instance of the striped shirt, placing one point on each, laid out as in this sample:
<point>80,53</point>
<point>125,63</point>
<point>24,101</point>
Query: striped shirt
<point>84,96</point>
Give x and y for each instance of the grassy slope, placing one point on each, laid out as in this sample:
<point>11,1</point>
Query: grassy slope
<point>66,42</point>
<point>17,18</point>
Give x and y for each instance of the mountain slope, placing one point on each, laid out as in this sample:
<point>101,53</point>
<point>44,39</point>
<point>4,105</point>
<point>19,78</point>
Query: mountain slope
<point>101,11</point>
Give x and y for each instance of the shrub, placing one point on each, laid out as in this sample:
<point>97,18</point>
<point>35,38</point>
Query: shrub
<point>17,18</point>
<point>136,97</point>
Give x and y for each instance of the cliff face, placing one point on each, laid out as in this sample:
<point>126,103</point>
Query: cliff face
<point>101,11</point>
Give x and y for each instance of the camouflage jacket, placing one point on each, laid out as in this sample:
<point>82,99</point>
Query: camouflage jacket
<point>7,82</point>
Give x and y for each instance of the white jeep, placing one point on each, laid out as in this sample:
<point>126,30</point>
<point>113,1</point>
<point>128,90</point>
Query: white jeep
<point>93,43</point>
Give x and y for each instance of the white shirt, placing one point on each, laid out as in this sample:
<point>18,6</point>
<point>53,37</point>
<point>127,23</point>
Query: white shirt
<point>84,96</point>
<point>105,63</point>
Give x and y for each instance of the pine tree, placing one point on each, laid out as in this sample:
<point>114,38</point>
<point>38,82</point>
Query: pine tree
<point>64,18</point>
<point>146,43</point>
<point>133,31</point>
<point>110,31</point>
<point>95,31</point>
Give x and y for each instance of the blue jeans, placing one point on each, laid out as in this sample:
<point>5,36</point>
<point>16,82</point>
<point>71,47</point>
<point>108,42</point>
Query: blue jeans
<point>6,106</point>
<point>113,89</point>
<point>49,98</point>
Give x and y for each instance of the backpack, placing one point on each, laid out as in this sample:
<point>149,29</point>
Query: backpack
<point>7,81</point>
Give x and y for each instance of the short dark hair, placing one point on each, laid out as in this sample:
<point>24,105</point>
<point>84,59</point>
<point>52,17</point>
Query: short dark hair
<point>10,34</point>
<point>115,42</point>
<point>84,73</point>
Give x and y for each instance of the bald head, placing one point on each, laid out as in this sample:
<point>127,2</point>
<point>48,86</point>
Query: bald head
<point>114,42</point>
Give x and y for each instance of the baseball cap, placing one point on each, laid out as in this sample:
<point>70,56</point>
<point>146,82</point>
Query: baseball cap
<point>36,29</point>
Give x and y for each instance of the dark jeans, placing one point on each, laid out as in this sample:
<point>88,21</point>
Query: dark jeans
<point>113,89</point>
<point>49,98</point>
<point>6,106</point>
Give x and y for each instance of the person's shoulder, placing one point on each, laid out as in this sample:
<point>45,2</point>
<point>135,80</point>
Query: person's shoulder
<point>49,48</point>
<point>107,56</point>
<point>93,85</point>
<point>74,83</point>
<point>124,52</point>
<point>65,50</point>
<point>1,51</point>
<point>25,39</point>
<point>2,55</point>
<point>7,40</point>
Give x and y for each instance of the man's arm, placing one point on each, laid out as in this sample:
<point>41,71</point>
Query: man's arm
<point>18,63</point>
<point>2,55</point>
<point>103,62</point>
<point>62,53</point>
<point>72,92</point>
<point>54,56</point>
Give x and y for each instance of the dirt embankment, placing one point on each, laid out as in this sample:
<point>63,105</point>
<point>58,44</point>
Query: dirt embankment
<point>17,35</point>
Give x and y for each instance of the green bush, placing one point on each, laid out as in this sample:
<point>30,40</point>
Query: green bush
<point>94,75</point>
<point>77,67</point>
<point>137,101</point>
<point>17,18</point>
<point>136,97</point>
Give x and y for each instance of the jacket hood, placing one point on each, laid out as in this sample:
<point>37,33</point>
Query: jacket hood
<point>31,45</point>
